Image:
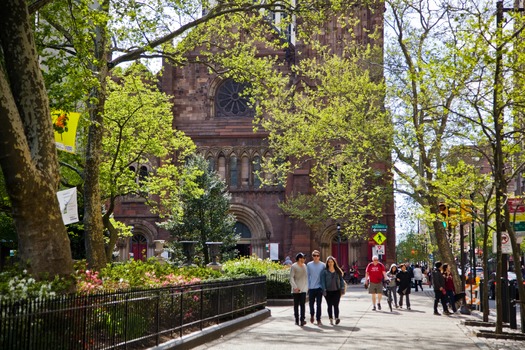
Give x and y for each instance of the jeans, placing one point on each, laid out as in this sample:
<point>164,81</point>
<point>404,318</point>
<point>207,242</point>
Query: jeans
<point>316,297</point>
<point>439,296</point>
<point>332,300</point>
<point>407,296</point>
<point>451,300</point>
<point>299,300</point>
<point>418,283</point>
<point>393,293</point>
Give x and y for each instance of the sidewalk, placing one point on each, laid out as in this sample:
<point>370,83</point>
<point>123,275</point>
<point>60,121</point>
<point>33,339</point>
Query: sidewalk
<point>362,328</point>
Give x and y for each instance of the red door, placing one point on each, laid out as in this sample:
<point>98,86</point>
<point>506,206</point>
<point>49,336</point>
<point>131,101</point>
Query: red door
<point>340,253</point>
<point>139,247</point>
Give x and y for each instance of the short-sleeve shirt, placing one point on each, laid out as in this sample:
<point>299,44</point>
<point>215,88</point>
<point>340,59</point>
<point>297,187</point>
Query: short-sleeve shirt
<point>375,272</point>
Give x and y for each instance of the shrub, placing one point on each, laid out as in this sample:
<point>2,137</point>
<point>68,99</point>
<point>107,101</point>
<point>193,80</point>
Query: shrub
<point>250,266</point>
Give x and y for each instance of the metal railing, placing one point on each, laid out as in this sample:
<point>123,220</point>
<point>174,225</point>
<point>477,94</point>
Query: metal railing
<point>127,319</point>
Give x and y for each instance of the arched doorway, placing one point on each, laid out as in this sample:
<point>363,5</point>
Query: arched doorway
<point>139,247</point>
<point>244,244</point>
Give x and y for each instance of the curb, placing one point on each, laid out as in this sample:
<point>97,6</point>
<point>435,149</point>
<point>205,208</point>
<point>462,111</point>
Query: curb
<point>214,332</point>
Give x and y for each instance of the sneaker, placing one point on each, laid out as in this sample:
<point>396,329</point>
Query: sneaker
<point>374,308</point>
<point>303,322</point>
<point>311,319</point>
<point>379,306</point>
<point>437,313</point>
<point>319,323</point>
<point>331,321</point>
<point>337,321</point>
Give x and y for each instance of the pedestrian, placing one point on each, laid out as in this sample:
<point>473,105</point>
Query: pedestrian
<point>356,273</point>
<point>438,281</point>
<point>403,285</point>
<point>315,292</point>
<point>287,261</point>
<point>374,274</point>
<point>393,282</point>
<point>418,277</point>
<point>449,287</point>
<point>333,286</point>
<point>299,283</point>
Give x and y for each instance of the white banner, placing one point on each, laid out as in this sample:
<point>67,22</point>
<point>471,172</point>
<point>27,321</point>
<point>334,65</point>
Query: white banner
<point>274,251</point>
<point>67,200</point>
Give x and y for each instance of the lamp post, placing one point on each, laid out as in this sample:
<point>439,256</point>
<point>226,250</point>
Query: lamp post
<point>268,235</point>
<point>339,244</point>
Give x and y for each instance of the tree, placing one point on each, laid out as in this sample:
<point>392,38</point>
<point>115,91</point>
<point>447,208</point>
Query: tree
<point>450,91</point>
<point>138,133</point>
<point>27,151</point>
<point>88,39</point>
<point>331,121</point>
<point>205,217</point>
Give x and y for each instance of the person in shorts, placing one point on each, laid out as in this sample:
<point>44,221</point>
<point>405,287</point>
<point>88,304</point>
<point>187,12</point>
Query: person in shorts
<point>374,274</point>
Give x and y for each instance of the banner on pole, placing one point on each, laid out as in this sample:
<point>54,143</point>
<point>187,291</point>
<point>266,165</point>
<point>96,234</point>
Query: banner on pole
<point>67,200</point>
<point>65,127</point>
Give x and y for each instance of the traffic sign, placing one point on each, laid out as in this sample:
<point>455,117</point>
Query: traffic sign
<point>379,227</point>
<point>380,249</point>
<point>379,238</point>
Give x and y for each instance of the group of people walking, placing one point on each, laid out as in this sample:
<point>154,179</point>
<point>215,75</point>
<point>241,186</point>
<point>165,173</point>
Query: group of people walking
<point>325,279</point>
<point>318,279</point>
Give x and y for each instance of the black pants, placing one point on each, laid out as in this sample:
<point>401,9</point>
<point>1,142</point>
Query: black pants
<point>315,297</point>
<point>439,296</point>
<point>418,283</point>
<point>332,300</point>
<point>299,301</point>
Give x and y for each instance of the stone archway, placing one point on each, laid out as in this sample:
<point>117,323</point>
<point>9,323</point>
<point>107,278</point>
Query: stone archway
<point>144,228</point>
<point>258,223</point>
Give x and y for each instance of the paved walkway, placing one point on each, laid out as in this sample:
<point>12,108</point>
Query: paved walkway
<point>362,328</point>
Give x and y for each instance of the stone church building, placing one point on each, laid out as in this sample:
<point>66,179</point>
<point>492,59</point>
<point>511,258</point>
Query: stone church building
<point>210,111</point>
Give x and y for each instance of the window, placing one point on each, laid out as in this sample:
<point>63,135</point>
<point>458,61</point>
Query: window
<point>233,171</point>
<point>243,230</point>
<point>256,168</point>
<point>230,100</point>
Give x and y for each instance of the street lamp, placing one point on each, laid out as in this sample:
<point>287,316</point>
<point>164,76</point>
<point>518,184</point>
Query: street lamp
<point>339,244</point>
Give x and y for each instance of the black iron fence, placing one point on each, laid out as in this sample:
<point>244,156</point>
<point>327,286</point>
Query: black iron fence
<point>126,320</point>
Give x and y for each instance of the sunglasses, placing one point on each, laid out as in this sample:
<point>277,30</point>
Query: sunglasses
<point>315,256</point>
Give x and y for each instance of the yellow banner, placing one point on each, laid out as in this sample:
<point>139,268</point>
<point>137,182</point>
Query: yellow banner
<point>65,126</point>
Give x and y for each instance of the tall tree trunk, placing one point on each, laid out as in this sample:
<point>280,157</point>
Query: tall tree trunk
<point>93,224</point>
<point>27,148</point>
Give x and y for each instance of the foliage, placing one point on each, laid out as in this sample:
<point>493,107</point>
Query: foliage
<point>251,266</point>
<point>205,216</point>
<point>138,274</point>
<point>332,121</point>
<point>16,284</point>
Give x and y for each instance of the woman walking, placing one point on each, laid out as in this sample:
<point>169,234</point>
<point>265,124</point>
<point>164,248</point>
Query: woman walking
<point>332,283</point>
<point>449,287</point>
<point>404,285</point>
<point>393,282</point>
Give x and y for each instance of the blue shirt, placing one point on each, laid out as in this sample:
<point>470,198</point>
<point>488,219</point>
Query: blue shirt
<point>314,274</point>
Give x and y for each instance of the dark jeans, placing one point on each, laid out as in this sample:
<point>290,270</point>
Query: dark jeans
<point>439,296</point>
<point>418,283</point>
<point>316,297</point>
<point>407,296</point>
<point>332,299</point>
<point>299,301</point>
<point>451,300</point>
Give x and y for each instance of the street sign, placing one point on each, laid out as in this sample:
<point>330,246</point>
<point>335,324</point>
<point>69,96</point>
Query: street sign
<point>506,246</point>
<point>380,249</point>
<point>379,227</point>
<point>379,238</point>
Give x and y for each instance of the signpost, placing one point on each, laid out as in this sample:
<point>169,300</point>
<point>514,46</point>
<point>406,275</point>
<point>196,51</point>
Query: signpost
<point>379,238</point>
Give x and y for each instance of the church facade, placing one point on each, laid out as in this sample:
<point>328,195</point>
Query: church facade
<point>211,111</point>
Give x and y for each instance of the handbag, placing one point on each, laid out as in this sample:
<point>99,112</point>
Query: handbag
<point>343,288</point>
